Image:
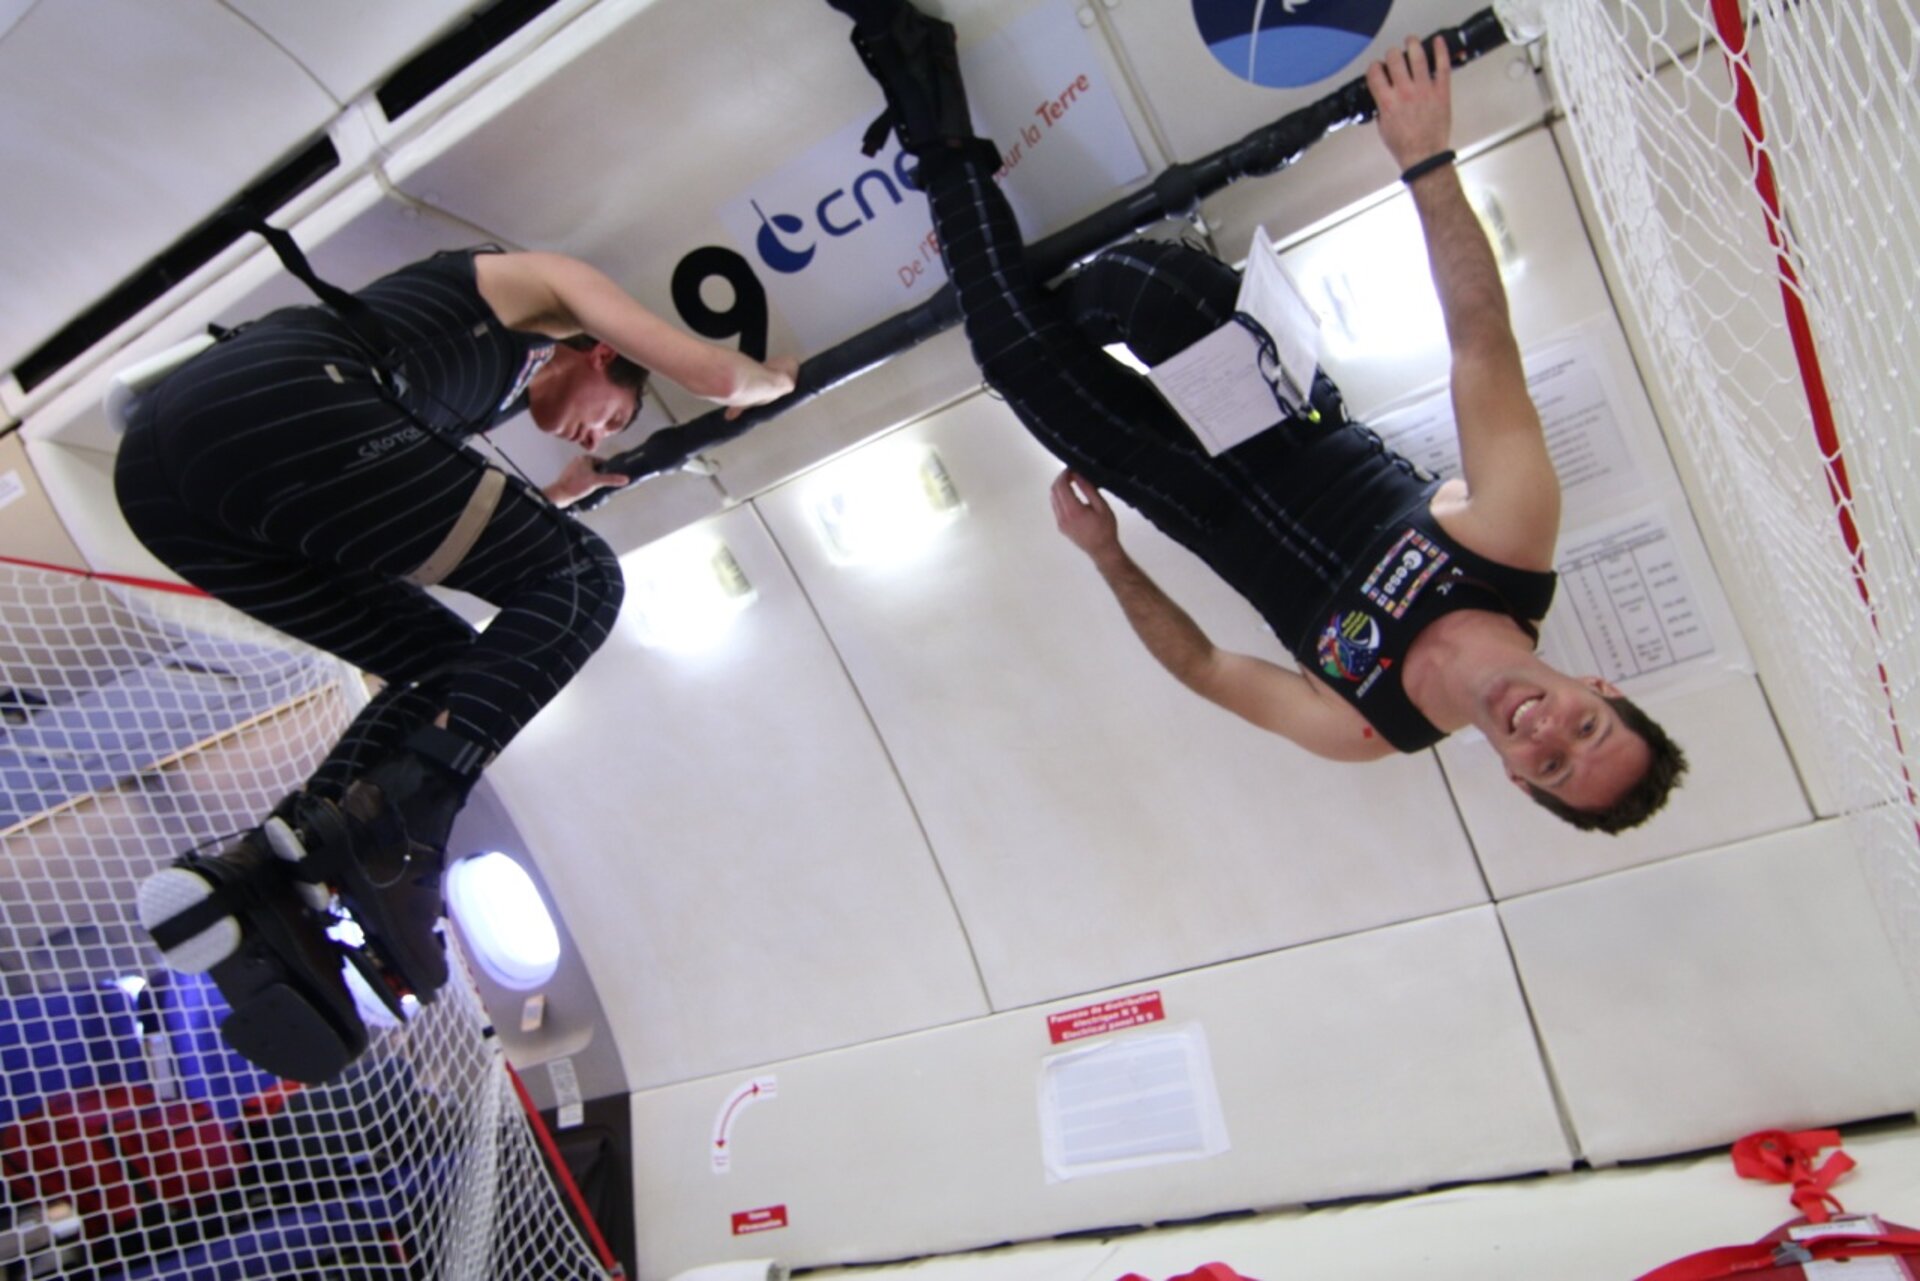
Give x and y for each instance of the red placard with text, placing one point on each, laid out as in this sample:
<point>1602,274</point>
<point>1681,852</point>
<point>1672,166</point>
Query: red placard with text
<point>765,1219</point>
<point>1108,1016</point>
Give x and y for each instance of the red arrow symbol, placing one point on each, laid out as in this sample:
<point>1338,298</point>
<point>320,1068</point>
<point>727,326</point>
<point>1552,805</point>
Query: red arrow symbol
<point>726,1118</point>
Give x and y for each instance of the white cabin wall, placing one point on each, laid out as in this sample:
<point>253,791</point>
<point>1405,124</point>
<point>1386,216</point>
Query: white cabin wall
<point>897,816</point>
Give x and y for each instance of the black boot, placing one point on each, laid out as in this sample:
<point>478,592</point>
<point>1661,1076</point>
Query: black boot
<point>913,59</point>
<point>241,918</point>
<point>382,849</point>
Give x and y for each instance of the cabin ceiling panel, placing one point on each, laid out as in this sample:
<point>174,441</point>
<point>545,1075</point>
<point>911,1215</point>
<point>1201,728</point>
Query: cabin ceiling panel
<point>113,147</point>
<point>349,44</point>
<point>729,844</point>
<point>618,138</point>
<point>359,235</point>
<point>1098,823</point>
<point>1686,1004</point>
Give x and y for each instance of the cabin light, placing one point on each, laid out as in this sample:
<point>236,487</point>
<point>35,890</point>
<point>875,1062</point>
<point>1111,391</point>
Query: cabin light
<point>883,503</point>
<point>132,984</point>
<point>684,591</point>
<point>505,921</point>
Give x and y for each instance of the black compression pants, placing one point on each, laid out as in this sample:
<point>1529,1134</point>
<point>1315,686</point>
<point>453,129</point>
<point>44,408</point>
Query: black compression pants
<point>303,500</point>
<point>1281,517</point>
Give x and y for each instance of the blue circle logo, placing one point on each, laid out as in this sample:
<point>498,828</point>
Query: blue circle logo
<point>1284,44</point>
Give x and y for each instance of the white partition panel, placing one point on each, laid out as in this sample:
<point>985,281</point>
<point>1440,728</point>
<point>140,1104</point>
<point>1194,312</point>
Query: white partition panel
<point>1685,1004</point>
<point>727,841</point>
<point>1097,821</point>
<point>1395,1059</point>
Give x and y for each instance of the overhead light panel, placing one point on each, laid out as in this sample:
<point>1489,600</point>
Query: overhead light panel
<point>685,591</point>
<point>883,503</point>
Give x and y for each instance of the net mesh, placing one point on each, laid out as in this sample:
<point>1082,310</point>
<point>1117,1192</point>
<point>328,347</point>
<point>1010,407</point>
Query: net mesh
<point>139,723</point>
<point>1684,114</point>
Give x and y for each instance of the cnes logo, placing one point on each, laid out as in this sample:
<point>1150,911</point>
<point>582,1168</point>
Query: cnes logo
<point>787,242</point>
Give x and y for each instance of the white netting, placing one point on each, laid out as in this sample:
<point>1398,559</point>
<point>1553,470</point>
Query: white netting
<point>1821,526</point>
<point>138,723</point>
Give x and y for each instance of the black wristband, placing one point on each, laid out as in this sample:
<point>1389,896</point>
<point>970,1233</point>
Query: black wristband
<point>1415,172</point>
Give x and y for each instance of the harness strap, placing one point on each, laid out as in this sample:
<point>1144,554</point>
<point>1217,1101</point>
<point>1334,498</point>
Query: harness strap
<point>1772,1256</point>
<point>354,313</point>
<point>460,539</point>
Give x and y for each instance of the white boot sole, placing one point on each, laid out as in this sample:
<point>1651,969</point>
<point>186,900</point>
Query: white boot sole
<point>173,890</point>
<point>285,844</point>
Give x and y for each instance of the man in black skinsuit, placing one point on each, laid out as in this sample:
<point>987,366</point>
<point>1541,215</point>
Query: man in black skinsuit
<point>1412,605</point>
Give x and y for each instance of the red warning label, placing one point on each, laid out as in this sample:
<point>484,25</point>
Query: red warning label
<point>1108,1016</point>
<point>765,1219</point>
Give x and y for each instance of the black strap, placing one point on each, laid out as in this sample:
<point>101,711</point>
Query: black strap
<point>354,313</point>
<point>184,924</point>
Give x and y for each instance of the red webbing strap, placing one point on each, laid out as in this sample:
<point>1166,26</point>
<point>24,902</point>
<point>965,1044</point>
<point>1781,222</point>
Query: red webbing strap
<point>1777,1156</point>
<point>129,580</point>
<point>1766,1256</point>
<point>563,1176</point>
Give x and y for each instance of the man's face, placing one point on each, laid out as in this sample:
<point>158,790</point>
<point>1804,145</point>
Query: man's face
<point>1560,734</point>
<point>572,398</point>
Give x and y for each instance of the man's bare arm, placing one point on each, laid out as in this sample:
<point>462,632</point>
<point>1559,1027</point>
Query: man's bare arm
<point>1513,508</point>
<point>1272,697</point>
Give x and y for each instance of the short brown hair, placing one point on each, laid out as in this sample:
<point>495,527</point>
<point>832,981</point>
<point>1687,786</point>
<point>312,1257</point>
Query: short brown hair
<point>1666,766</point>
<point>622,372</point>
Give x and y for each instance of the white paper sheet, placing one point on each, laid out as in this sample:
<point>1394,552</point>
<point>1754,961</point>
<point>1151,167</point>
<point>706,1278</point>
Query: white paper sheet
<point>1625,607</point>
<point>1579,415</point>
<point>1217,385</point>
<point>1139,1098</point>
<point>1269,295</point>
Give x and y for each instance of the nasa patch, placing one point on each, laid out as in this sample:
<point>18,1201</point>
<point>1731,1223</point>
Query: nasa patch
<point>1283,44</point>
<point>1349,645</point>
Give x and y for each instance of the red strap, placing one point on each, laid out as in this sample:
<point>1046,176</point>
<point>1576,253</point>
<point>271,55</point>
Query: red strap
<point>1777,1156</point>
<point>1766,1256</point>
<point>183,589</point>
<point>1205,1272</point>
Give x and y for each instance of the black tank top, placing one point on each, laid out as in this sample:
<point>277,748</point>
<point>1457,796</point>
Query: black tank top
<point>1413,574</point>
<point>464,371</point>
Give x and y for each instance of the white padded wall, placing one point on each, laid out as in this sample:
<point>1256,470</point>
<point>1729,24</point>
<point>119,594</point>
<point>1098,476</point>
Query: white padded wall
<point>1392,1060</point>
<point>1750,987</point>
<point>1095,820</point>
<point>728,843</point>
